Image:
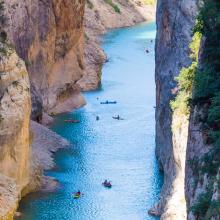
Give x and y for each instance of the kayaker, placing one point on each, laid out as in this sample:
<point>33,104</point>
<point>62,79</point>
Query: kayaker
<point>118,117</point>
<point>78,193</point>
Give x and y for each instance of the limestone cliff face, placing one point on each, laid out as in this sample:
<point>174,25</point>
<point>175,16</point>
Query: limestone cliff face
<point>15,108</point>
<point>48,35</point>
<point>25,151</point>
<point>100,16</point>
<point>175,20</point>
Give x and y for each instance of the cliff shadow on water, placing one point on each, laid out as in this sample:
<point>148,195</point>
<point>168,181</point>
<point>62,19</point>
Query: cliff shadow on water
<point>122,151</point>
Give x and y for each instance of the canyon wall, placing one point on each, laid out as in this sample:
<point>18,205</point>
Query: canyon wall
<point>15,108</point>
<point>48,36</point>
<point>41,59</point>
<point>175,20</point>
<point>103,15</point>
<point>24,151</point>
<point>187,113</point>
<point>42,72</point>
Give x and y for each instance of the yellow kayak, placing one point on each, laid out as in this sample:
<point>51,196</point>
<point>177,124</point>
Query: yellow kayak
<point>76,196</point>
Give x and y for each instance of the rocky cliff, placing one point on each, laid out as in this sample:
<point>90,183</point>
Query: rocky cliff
<point>44,63</point>
<point>175,20</point>
<point>186,140</point>
<point>48,36</point>
<point>103,15</point>
<point>41,58</point>
<point>24,152</point>
<point>15,108</point>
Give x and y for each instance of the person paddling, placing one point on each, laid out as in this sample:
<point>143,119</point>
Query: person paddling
<point>107,184</point>
<point>78,193</point>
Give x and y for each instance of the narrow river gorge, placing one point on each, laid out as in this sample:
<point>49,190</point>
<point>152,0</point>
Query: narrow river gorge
<point>122,151</point>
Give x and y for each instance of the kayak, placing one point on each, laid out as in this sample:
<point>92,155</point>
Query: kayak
<point>76,196</point>
<point>107,185</point>
<point>116,118</point>
<point>107,102</point>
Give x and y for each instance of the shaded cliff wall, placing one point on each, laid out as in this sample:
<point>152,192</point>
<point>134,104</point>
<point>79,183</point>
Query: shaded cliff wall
<point>48,35</point>
<point>175,20</point>
<point>188,136</point>
<point>202,183</point>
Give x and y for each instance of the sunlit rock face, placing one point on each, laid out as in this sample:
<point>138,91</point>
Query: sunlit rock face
<point>99,17</point>
<point>175,20</point>
<point>48,35</point>
<point>15,108</point>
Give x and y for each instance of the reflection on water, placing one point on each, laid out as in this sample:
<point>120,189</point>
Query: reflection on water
<point>122,151</point>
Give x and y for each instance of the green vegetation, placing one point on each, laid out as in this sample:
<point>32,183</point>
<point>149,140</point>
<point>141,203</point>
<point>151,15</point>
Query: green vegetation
<point>5,47</point>
<point>207,81</point>
<point>186,79</point>
<point>113,5</point>
<point>206,208</point>
<point>3,35</point>
<point>199,85</point>
<point>203,203</point>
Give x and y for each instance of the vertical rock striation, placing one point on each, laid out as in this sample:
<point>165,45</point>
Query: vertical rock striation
<point>15,108</point>
<point>48,35</point>
<point>175,20</point>
<point>188,135</point>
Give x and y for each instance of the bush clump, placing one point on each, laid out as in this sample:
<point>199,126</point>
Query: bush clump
<point>113,5</point>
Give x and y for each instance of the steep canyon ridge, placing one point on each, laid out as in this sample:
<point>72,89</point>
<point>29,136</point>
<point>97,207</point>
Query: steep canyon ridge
<point>50,52</point>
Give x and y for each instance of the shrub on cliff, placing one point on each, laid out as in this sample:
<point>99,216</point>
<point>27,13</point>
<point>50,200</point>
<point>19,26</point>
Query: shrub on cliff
<point>207,79</point>
<point>113,5</point>
<point>186,79</point>
<point>206,93</point>
<point>5,47</point>
<point>199,84</point>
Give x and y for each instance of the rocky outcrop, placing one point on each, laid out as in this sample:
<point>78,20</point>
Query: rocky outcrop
<point>175,20</point>
<point>15,108</point>
<point>100,16</point>
<point>42,156</point>
<point>48,36</point>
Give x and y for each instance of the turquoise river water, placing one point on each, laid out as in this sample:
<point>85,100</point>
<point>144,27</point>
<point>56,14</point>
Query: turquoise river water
<point>122,151</point>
